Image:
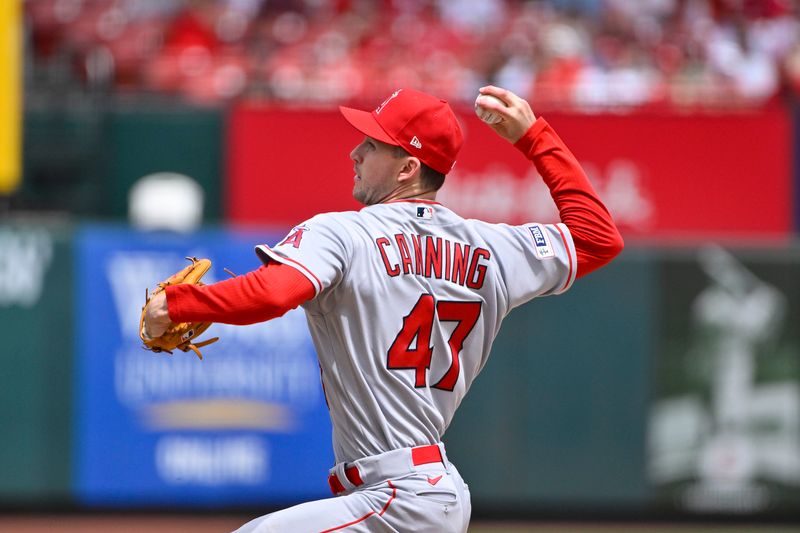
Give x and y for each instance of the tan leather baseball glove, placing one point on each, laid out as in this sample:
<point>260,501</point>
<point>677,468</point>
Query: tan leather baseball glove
<point>178,336</point>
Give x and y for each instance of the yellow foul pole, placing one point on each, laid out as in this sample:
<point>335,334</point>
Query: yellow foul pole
<point>10,95</point>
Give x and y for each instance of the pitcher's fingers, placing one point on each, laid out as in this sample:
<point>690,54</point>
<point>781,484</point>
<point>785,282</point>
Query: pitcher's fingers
<point>505,95</point>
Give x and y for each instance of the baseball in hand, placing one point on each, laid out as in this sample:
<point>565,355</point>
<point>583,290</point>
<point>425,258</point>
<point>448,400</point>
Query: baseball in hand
<point>485,114</point>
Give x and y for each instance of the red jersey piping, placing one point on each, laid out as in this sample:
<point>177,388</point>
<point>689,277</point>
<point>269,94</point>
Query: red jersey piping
<point>413,201</point>
<point>569,254</point>
<point>293,263</point>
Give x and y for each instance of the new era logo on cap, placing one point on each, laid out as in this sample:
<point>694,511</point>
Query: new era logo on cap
<point>436,137</point>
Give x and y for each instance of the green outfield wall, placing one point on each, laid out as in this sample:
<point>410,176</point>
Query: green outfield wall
<point>186,141</point>
<point>36,358</point>
<point>84,160</point>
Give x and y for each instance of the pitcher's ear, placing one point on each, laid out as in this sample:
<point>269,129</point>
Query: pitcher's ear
<point>411,167</point>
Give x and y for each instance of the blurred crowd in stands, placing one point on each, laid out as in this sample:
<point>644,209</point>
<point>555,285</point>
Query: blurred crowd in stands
<point>577,54</point>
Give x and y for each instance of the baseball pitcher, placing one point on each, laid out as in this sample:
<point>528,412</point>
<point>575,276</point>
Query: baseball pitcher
<point>404,299</point>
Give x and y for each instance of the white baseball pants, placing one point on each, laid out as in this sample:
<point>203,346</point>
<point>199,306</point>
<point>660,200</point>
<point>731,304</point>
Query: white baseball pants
<point>407,490</point>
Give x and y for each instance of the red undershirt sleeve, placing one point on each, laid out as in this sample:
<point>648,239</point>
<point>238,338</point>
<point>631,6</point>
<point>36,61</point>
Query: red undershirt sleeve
<point>260,295</point>
<point>597,240</point>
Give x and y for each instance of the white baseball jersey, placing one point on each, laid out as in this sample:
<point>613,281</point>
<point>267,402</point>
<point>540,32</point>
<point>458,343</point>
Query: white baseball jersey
<point>409,298</point>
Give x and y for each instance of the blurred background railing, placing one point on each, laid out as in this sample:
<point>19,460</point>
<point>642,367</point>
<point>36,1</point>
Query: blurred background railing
<point>667,384</point>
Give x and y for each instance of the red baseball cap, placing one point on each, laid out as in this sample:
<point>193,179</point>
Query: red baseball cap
<point>423,125</point>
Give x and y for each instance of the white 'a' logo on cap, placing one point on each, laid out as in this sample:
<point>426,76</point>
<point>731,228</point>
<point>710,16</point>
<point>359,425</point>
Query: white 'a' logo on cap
<point>380,107</point>
<point>415,142</point>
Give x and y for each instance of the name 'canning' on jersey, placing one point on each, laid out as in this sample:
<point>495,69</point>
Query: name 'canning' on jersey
<point>409,298</point>
<point>429,256</point>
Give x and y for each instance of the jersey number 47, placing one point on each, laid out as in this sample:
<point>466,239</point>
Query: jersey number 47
<point>419,324</point>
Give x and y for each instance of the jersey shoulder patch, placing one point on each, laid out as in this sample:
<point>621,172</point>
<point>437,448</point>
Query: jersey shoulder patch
<point>295,237</point>
<point>541,242</point>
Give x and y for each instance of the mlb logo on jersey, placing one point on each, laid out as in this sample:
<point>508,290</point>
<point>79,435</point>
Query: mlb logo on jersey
<point>541,241</point>
<point>425,212</point>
